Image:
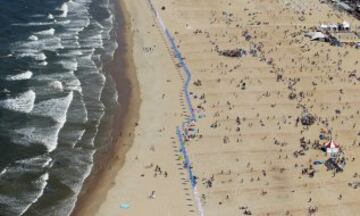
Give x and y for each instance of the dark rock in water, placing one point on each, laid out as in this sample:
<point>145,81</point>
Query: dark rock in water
<point>307,119</point>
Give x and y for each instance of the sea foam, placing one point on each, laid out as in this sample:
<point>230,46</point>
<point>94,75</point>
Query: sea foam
<point>69,64</point>
<point>39,56</point>
<point>56,85</point>
<point>50,16</point>
<point>47,136</point>
<point>33,38</point>
<point>22,103</point>
<point>49,43</point>
<point>50,31</point>
<point>54,108</point>
<point>22,76</point>
<point>40,183</point>
<point>64,9</point>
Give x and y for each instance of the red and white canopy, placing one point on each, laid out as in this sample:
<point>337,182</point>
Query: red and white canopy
<point>331,144</point>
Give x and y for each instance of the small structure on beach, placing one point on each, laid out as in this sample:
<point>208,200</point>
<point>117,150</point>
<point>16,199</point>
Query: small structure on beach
<point>346,26</point>
<point>337,34</point>
<point>332,148</point>
<point>316,36</point>
<point>346,37</point>
<point>328,27</point>
<point>336,160</point>
<point>335,27</point>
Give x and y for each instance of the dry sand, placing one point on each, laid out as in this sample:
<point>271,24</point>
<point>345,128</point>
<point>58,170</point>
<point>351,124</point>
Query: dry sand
<point>248,132</point>
<point>154,143</point>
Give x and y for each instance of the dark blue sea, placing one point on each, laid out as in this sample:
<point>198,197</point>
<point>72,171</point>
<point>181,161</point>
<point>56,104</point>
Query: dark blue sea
<point>54,94</point>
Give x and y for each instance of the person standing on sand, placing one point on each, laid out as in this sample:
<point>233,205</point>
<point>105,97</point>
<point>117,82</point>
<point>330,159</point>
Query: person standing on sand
<point>152,195</point>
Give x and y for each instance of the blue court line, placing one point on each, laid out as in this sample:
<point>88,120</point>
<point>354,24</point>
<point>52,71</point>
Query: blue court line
<point>187,163</point>
<point>185,68</point>
<point>188,76</point>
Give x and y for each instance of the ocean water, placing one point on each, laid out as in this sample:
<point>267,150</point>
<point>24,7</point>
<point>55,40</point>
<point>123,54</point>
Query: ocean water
<point>54,94</point>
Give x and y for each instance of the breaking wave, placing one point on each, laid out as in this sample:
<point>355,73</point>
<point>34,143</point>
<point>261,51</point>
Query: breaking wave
<point>50,31</point>
<point>22,103</point>
<point>64,9</point>
<point>56,53</point>
<point>22,76</point>
<point>55,108</point>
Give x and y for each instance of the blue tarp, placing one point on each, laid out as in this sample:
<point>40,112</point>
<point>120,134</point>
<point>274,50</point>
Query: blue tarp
<point>186,70</point>
<point>187,163</point>
<point>124,206</point>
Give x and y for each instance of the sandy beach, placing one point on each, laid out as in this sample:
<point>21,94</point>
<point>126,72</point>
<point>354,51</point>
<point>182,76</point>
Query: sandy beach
<point>248,147</point>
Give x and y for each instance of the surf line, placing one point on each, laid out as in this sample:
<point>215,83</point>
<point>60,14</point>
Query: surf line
<point>187,74</point>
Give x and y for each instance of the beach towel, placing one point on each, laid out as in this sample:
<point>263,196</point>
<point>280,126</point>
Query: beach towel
<point>124,206</point>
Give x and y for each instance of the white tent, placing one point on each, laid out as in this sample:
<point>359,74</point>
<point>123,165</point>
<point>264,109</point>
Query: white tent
<point>316,35</point>
<point>334,27</point>
<point>324,26</point>
<point>346,25</point>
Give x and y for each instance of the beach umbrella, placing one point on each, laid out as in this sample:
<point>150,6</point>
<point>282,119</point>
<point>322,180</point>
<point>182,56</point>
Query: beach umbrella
<point>331,144</point>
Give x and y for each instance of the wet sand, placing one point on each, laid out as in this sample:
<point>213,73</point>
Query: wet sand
<point>111,156</point>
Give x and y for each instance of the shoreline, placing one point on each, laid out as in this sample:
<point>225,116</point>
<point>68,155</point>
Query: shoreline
<point>109,161</point>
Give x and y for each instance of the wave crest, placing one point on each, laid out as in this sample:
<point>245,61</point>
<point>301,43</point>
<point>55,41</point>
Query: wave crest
<point>22,76</point>
<point>22,103</point>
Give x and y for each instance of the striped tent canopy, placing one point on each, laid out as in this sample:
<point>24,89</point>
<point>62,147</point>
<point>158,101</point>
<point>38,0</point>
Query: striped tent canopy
<point>331,144</point>
<point>332,148</point>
